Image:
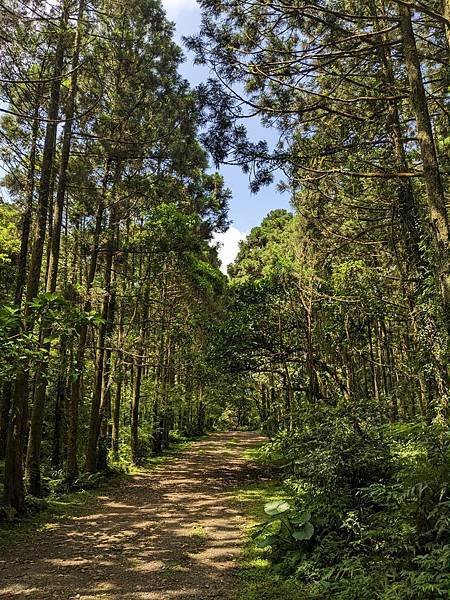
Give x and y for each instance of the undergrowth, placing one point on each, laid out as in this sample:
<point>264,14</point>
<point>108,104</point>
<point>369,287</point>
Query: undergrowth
<point>259,579</point>
<point>363,514</point>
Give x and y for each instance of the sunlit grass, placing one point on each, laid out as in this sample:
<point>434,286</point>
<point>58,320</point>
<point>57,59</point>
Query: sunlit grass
<point>259,580</point>
<point>232,442</point>
<point>259,455</point>
<point>198,531</point>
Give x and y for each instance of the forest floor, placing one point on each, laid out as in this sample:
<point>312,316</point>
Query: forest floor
<point>172,532</point>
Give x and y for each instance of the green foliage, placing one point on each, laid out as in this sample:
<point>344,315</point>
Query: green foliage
<point>23,346</point>
<point>381,510</point>
<point>259,580</point>
<point>86,481</point>
<point>264,251</point>
<point>286,531</point>
<point>206,279</point>
<point>9,238</point>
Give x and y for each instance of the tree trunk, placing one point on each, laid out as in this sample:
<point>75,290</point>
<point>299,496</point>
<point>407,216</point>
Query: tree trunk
<point>94,421</point>
<point>432,177</point>
<point>37,417</point>
<point>33,457</point>
<point>55,243</point>
<point>103,357</point>
<point>139,369</point>
<point>135,410</point>
<point>28,213</point>
<point>14,492</point>
<point>21,266</point>
<point>313,385</point>
<point>75,393</point>
<point>446,13</point>
<point>115,436</point>
<point>58,428</point>
<point>115,432</point>
<point>5,407</point>
<point>105,396</point>
<point>14,489</point>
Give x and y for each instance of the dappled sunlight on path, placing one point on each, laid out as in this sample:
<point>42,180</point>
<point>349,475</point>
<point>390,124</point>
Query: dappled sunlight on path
<point>173,532</point>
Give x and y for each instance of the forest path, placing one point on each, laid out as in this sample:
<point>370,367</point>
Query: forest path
<point>172,532</point>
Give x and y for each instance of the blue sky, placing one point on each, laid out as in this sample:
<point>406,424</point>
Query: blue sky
<point>246,210</point>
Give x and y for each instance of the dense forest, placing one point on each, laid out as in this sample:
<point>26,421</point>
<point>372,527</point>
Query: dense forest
<point>119,333</point>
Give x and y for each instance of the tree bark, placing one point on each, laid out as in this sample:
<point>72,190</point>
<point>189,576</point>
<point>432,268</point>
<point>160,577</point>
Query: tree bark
<point>135,411</point>
<point>21,267</point>
<point>115,436</point>
<point>5,406</point>
<point>58,429</point>
<point>432,177</point>
<point>446,13</point>
<point>103,357</point>
<point>105,396</point>
<point>139,368</point>
<point>94,421</point>
<point>33,461</point>
<point>115,433</point>
<point>14,493</point>
<point>55,243</point>
<point>28,213</point>
<point>75,393</point>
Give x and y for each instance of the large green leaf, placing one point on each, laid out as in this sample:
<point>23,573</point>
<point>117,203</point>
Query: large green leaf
<point>304,533</point>
<point>276,508</point>
<point>258,530</point>
<point>301,518</point>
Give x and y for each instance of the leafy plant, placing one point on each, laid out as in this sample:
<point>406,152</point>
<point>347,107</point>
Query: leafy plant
<point>286,529</point>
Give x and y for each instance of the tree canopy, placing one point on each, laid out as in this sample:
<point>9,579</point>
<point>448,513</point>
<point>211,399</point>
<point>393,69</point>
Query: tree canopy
<point>119,333</point>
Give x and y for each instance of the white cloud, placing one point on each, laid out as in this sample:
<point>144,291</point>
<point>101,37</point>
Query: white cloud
<point>175,7</point>
<point>228,245</point>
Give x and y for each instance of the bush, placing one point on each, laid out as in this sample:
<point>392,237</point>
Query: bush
<point>378,498</point>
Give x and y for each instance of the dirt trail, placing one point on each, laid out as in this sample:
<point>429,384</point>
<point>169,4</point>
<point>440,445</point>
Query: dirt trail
<point>170,533</point>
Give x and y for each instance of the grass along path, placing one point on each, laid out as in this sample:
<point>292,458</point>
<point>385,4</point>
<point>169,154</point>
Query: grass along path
<point>260,580</point>
<point>173,532</point>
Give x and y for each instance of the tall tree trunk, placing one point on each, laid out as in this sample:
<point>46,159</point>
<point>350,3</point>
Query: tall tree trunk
<point>94,421</point>
<point>407,205</point>
<point>14,493</point>
<point>313,383</point>
<point>103,356</point>
<point>135,409</point>
<point>55,243</point>
<point>33,460</point>
<point>105,396</point>
<point>5,406</point>
<point>75,392</point>
<point>21,266</point>
<point>139,368</point>
<point>115,433</point>
<point>432,177</point>
<point>446,13</point>
<point>58,429</point>
<point>28,213</point>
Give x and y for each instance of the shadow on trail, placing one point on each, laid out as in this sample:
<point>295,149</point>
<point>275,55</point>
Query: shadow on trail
<point>171,533</point>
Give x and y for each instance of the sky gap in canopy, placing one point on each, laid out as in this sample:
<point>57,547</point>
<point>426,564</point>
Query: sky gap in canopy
<point>246,209</point>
